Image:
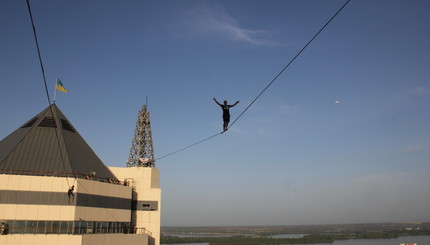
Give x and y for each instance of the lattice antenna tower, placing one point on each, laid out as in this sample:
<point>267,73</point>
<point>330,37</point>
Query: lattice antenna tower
<point>142,149</point>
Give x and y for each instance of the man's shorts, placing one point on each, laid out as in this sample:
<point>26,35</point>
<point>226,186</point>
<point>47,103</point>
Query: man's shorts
<point>226,118</point>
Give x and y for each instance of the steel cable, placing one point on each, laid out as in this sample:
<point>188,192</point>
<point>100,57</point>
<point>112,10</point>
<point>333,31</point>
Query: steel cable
<point>264,90</point>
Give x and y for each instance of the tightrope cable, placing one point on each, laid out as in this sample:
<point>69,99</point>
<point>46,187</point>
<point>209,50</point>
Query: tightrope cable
<point>38,53</point>
<point>268,85</point>
<point>186,147</point>
<point>46,88</point>
<point>289,63</point>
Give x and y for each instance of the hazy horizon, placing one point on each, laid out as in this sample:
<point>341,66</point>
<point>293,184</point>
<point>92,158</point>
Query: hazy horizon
<point>412,223</point>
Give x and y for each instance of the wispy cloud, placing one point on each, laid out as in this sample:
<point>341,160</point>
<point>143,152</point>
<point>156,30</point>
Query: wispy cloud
<point>226,25</point>
<point>215,19</point>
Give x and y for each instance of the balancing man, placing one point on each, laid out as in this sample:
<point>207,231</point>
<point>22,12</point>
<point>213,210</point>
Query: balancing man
<point>225,113</point>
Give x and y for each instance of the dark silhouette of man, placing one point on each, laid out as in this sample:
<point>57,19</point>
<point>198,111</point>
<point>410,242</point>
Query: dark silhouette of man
<point>225,112</point>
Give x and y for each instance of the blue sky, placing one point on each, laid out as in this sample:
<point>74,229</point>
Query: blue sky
<point>296,156</point>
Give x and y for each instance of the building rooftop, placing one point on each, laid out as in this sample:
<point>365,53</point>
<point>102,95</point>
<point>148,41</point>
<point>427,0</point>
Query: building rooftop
<point>49,145</point>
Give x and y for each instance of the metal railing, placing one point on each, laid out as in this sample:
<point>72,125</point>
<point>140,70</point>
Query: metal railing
<point>73,231</point>
<point>89,176</point>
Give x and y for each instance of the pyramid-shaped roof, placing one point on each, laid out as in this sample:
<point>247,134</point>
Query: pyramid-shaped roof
<point>49,145</point>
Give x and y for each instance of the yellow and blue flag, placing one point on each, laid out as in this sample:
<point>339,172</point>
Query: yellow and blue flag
<point>59,86</point>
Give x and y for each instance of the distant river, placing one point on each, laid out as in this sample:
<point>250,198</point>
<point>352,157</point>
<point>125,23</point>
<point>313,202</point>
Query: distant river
<point>419,240</point>
<point>288,236</point>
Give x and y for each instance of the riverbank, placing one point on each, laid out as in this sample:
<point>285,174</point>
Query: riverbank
<point>279,234</point>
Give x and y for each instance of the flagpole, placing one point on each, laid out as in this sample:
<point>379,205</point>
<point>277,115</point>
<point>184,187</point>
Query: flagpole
<point>55,90</point>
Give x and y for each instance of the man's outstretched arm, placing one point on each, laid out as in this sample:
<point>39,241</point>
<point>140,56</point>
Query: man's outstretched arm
<point>217,102</point>
<point>237,102</point>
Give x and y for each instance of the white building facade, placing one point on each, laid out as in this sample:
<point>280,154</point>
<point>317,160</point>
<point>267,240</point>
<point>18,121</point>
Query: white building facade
<point>46,157</point>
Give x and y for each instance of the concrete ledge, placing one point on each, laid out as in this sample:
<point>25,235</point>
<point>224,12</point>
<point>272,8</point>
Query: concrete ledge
<point>93,239</point>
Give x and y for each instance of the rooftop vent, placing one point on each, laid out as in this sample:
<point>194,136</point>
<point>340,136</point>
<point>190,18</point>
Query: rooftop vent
<point>48,122</point>
<point>67,126</point>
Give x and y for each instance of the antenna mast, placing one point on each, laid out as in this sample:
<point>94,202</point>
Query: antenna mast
<point>142,149</point>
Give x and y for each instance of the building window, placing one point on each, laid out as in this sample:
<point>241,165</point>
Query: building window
<point>55,227</point>
<point>65,227</point>
<point>41,227</point>
<point>19,227</point>
<point>48,227</point>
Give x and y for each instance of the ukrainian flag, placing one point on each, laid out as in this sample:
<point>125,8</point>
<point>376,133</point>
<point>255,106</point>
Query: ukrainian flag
<point>59,86</point>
